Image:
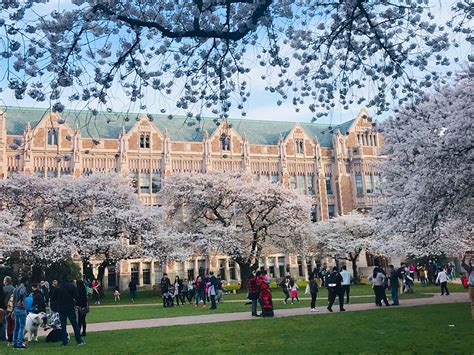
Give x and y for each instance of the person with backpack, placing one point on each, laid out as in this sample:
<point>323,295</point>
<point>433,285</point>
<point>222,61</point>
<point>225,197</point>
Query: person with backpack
<point>334,286</point>
<point>19,312</point>
<point>64,298</point>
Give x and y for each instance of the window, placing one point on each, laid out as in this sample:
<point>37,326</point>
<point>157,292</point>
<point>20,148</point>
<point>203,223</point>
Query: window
<point>155,182</point>
<point>144,140</point>
<point>300,266</point>
<point>328,185</point>
<point>360,189</point>
<point>39,173</point>
<point>202,267</point>
<point>271,267</point>
<point>146,273</point>
<point>274,178</point>
<point>225,141</point>
<point>232,270</point>
<point>158,273</point>
<point>112,276</point>
<point>53,136</point>
<point>292,182</point>
<point>368,184</point>
<point>299,146</point>
<point>300,181</point>
<point>145,183</point>
<point>314,213</point>
<point>310,184</point>
<point>222,268</point>
<point>134,272</point>
<point>331,211</point>
<point>377,183</point>
<point>281,266</point>
<point>190,269</point>
<point>51,174</point>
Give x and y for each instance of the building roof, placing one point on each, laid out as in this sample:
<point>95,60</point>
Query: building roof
<point>108,125</point>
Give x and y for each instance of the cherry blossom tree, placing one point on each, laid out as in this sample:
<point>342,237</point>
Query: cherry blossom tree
<point>13,238</point>
<point>345,237</point>
<point>233,215</point>
<point>428,170</point>
<point>315,53</point>
<point>97,217</point>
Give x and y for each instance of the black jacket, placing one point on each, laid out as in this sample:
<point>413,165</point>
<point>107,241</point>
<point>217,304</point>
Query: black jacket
<point>64,297</point>
<point>334,280</point>
<point>2,298</point>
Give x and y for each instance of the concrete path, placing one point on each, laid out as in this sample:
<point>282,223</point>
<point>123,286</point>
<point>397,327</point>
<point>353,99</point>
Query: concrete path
<point>229,317</point>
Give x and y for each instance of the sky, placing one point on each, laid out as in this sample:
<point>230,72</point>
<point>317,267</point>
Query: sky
<point>261,104</point>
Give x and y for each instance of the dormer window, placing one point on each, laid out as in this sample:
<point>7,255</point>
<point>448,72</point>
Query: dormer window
<point>299,146</point>
<point>53,136</point>
<point>225,142</point>
<point>144,140</point>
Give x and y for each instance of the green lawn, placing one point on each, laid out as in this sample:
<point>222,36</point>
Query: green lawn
<point>148,297</point>
<point>434,329</point>
<point>100,314</point>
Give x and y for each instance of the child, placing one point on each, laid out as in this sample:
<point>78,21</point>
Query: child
<point>294,291</point>
<point>117,294</point>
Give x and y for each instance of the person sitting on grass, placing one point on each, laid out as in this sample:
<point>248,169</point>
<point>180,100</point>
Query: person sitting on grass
<point>116,294</point>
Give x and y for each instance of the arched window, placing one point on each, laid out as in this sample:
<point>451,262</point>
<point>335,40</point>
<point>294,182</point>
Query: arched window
<point>225,141</point>
<point>53,136</point>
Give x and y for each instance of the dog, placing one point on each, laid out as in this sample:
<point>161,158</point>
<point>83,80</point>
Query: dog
<point>33,322</point>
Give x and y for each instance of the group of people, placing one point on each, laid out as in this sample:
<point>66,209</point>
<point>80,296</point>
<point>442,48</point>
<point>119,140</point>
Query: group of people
<point>31,305</point>
<point>259,292</point>
<point>202,290</point>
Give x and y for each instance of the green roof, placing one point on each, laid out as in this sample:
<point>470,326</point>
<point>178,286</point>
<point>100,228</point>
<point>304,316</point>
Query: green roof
<point>108,125</point>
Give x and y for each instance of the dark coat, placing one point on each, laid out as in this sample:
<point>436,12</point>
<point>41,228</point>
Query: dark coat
<point>64,297</point>
<point>39,304</point>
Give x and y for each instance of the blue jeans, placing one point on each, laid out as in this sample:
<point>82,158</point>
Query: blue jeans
<point>63,316</point>
<point>213,302</point>
<point>3,327</point>
<point>394,292</point>
<point>19,330</point>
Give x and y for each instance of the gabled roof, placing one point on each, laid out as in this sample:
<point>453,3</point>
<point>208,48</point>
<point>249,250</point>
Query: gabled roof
<point>108,125</point>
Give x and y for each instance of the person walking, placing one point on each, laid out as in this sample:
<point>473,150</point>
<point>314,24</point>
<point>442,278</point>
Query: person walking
<point>132,289</point>
<point>253,293</point>
<point>64,299</point>
<point>82,303</point>
<point>284,284</point>
<point>200,292</point>
<point>378,283</point>
<point>313,290</point>
<point>346,282</point>
<point>19,313</point>
<point>178,291</point>
<point>165,284</point>
<point>334,283</point>
<point>442,279</point>
<point>394,285</point>
<point>96,291</point>
<point>294,290</point>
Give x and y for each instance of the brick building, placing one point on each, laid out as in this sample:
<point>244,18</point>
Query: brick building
<point>331,163</point>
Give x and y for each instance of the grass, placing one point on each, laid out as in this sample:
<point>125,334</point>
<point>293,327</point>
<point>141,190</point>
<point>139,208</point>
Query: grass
<point>433,329</point>
<point>100,314</point>
<point>149,297</point>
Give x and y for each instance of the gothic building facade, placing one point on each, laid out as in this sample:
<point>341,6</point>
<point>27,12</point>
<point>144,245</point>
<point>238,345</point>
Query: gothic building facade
<point>332,163</point>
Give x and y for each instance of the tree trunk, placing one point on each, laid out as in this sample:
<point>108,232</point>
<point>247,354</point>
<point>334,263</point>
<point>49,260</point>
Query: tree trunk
<point>355,272</point>
<point>101,270</point>
<point>36,273</point>
<point>87,270</point>
<point>245,272</point>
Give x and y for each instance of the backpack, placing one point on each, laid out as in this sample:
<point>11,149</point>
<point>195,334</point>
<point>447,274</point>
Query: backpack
<point>28,303</point>
<point>332,279</point>
<point>464,282</point>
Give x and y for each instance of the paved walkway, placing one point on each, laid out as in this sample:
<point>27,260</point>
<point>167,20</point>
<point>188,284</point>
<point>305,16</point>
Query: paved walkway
<point>229,317</point>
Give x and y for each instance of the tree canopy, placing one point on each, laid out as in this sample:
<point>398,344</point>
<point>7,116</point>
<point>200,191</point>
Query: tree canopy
<point>203,53</point>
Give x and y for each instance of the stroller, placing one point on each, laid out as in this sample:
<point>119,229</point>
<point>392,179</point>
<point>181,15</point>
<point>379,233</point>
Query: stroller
<point>266,301</point>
